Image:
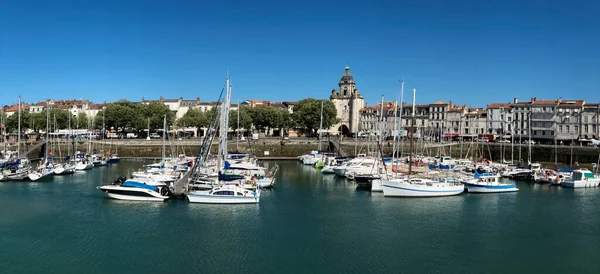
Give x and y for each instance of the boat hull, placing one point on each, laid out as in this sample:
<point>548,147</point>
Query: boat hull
<point>113,161</point>
<point>34,176</point>
<point>580,184</point>
<point>327,170</point>
<point>404,189</point>
<point>476,188</point>
<point>132,194</point>
<point>210,199</point>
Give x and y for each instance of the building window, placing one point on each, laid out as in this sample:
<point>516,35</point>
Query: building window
<point>576,129</point>
<point>586,128</point>
<point>593,128</point>
<point>543,132</point>
<point>509,118</point>
<point>535,132</point>
<point>568,130</point>
<point>509,128</point>
<point>466,131</point>
<point>560,129</point>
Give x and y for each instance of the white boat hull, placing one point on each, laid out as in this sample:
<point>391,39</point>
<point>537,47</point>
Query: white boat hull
<point>266,182</point>
<point>81,167</point>
<point>580,184</point>
<point>327,170</point>
<point>208,199</point>
<point>405,189</point>
<point>376,185</point>
<point>473,188</point>
<point>132,194</point>
<point>36,176</point>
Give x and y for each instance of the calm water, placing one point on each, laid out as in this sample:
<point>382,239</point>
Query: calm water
<point>308,223</point>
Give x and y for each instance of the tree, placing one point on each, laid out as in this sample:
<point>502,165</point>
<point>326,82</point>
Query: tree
<point>265,117</point>
<point>12,121</point>
<point>156,112</point>
<point>193,118</point>
<point>245,119</point>
<point>307,114</point>
<point>81,121</point>
<point>123,114</point>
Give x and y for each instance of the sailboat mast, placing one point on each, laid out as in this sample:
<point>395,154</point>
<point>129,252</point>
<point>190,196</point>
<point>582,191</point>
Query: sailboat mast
<point>412,123</point>
<point>400,118</point>
<point>224,126</point>
<point>47,128</point>
<point>19,132</point>
<point>164,137</point>
<point>320,127</point>
<point>237,140</point>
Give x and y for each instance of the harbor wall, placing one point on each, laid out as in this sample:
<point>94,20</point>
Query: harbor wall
<point>277,149</point>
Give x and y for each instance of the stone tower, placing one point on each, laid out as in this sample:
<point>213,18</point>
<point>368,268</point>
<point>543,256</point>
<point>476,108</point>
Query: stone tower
<point>348,102</point>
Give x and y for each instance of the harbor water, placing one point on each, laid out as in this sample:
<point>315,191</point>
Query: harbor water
<point>309,223</point>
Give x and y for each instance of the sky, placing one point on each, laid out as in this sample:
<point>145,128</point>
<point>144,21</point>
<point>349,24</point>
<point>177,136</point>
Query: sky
<point>468,52</point>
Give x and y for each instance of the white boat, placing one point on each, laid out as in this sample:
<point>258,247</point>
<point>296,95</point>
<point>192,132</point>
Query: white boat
<point>488,183</point>
<point>64,169</point>
<point>41,174</point>
<point>416,187</point>
<point>226,194</point>
<point>582,178</point>
<point>17,174</point>
<point>136,190</point>
<point>84,165</point>
<point>327,169</point>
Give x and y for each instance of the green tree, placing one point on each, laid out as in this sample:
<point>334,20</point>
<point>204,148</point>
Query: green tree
<point>12,121</point>
<point>123,114</point>
<point>245,119</point>
<point>193,118</point>
<point>307,114</point>
<point>156,112</point>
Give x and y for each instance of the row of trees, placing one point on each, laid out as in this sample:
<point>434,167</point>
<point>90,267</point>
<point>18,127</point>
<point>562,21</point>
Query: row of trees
<point>124,115</point>
<point>306,116</point>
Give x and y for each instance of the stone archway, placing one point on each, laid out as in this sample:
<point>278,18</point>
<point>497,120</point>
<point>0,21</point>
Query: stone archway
<point>344,130</point>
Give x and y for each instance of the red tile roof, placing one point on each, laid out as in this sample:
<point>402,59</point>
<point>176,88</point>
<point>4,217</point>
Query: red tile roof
<point>499,105</point>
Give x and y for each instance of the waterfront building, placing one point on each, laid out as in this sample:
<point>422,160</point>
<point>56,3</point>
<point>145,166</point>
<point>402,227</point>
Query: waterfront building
<point>589,121</point>
<point>438,112</point>
<point>348,103</point>
<point>500,119</point>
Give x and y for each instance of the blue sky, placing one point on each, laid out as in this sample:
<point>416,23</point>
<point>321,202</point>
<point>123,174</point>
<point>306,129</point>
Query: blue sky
<point>470,52</point>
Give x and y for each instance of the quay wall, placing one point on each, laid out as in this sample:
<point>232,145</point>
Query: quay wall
<point>280,150</point>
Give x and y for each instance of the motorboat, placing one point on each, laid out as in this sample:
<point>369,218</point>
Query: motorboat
<point>417,187</point>
<point>226,194</point>
<point>488,183</point>
<point>136,190</point>
<point>582,178</point>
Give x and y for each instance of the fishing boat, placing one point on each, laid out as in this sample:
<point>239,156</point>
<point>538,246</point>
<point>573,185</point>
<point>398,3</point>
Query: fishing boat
<point>488,183</point>
<point>582,178</point>
<point>136,190</point>
<point>226,194</point>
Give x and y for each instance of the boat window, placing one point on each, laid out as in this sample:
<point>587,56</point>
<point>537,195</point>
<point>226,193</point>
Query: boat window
<point>223,192</point>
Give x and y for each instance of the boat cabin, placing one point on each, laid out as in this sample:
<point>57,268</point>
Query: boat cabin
<point>582,174</point>
<point>228,192</point>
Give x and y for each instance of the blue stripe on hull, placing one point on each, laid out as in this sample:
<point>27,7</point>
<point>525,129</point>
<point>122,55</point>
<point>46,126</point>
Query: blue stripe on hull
<point>492,186</point>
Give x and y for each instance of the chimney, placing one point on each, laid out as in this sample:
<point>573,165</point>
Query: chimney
<point>533,100</point>
<point>515,100</point>
<point>197,100</point>
<point>366,104</point>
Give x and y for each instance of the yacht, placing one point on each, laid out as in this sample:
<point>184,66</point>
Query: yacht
<point>582,178</point>
<point>417,187</point>
<point>98,160</point>
<point>488,183</point>
<point>226,194</point>
<point>136,190</point>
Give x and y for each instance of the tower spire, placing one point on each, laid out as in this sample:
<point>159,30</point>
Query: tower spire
<point>347,69</point>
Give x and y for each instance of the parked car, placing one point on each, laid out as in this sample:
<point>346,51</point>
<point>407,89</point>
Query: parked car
<point>504,141</point>
<point>154,135</point>
<point>484,140</point>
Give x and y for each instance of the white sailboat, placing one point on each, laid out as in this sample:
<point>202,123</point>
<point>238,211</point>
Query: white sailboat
<point>45,170</point>
<point>417,187</point>
<point>224,194</point>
